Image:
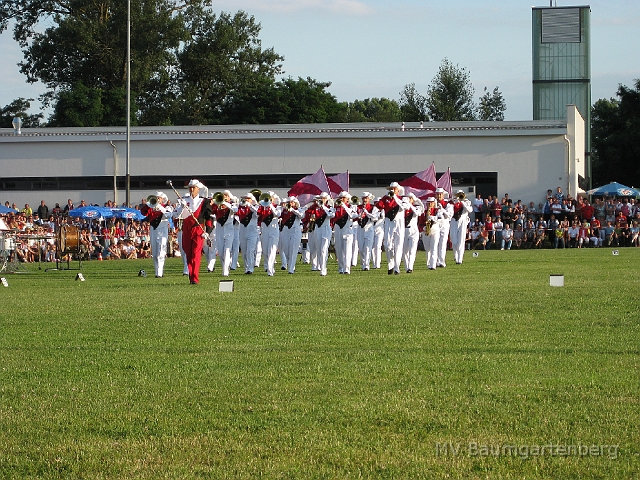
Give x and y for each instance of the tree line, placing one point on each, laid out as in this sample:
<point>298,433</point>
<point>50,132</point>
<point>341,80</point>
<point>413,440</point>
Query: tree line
<point>190,66</point>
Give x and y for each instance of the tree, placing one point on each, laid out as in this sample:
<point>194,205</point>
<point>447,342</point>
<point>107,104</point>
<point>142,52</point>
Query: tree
<point>615,138</point>
<point>491,106</point>
<point>286,101</point>
<point>18,108</point>
<point>413,105</point>
<point>372,110</point>
<point>450,94</point>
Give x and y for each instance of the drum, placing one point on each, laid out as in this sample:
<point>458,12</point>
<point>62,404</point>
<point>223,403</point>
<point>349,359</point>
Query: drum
<point>68,239</point>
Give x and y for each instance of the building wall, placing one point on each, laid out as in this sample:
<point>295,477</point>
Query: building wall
<point>528,157</point>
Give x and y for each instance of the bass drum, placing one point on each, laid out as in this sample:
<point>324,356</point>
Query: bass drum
<point>68,239</point>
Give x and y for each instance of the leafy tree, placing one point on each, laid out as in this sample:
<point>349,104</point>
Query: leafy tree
<point>18,108</point>
<point>450,94</point>
<point>492,106</point>
<point>373,110</point>
<point>615,137</point>
<point>413,105</point>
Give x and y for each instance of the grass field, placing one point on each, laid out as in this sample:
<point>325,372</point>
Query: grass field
<point>474,371</point>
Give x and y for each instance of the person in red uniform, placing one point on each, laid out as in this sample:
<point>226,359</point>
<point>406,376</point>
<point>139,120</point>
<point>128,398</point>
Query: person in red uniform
<point>194,211</point>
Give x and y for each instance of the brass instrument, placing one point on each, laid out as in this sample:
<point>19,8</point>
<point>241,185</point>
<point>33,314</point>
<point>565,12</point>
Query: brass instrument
<point>461,196</point>
<point>355,200</point>
<point>265,198</point>
<point>338,202</point>
<point>218,198</point>
<point>256,193</point>
<point>153,201</point>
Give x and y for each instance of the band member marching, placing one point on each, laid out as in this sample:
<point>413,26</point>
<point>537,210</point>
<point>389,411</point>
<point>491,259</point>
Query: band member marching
<point>444,226</point>
<point>268,214</point>
<point>367,216</point>
<point>411,233</point>
<point>394,209</point>
<point>343,232</point>
<point>378,238</point>
<point>322,213</point>
<point>224,211</point>
<point>194,210</point>
<point>158,213</point>
<point>429,223</point>
<point>462,208</point>
<point>291,233</point>
<point>249,231</point>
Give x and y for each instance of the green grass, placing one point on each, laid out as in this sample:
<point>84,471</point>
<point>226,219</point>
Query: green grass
<point>299,376</point>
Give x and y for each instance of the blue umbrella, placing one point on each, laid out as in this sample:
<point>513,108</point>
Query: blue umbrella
<point>127,213</point>
<point>91,212</point>
<point>4,210</point>
<point>615,189</point>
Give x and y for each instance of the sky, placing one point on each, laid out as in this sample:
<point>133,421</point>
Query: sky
<point>373,48</point>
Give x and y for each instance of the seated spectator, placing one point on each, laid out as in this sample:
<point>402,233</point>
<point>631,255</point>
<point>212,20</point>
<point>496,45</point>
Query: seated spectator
<point>610,237</point>
<point>518,236</point>
<point>574,233</point>
<point>583,235</point>
<point>506,238</point>
<point>540,235</point>
<point>483,239</point>
<point>559,234</point>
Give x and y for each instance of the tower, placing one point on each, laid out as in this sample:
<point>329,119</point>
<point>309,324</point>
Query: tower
<point>562,67</point>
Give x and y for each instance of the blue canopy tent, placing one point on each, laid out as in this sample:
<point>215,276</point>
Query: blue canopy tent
<point>127,213</point>
<point>5,210</point>
<point>91,212</point>
<point>614,189</point>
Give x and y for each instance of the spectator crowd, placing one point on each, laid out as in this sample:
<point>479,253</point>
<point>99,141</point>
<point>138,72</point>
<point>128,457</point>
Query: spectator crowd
<point>559,222</point>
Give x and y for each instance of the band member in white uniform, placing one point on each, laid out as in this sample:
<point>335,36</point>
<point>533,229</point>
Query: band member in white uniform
<point>235,246</point>
<point>343,231</point>
<point>158,216</point>
<point>268,215</point>
<point>394,208</point>
<point>224,212</point>
<point>323,212</point>
<point>411,232</point>
<point>430,222</point>
<point>444,226</point>
<point>249,231</point>
<point>378,237</point>
<point>291,233</point>
<point>367,216</point>
<point>210,250</point>
<point>462,208</point>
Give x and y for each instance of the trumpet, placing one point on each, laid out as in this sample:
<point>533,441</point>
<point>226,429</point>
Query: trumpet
<point>461,196</point>
<point>153,201</point>
<point>355,200</point>
<point>265,198</point>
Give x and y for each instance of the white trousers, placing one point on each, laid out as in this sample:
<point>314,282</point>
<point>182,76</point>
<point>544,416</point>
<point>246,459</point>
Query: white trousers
<point>458,236</point>
<point>270,235</point>
<point>159,241</point>
<point>394,241</point>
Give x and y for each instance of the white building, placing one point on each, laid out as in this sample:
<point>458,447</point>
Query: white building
<point>523,159</point>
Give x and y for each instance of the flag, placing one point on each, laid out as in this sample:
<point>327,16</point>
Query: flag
<point>308,187</point>
<point>422,184</point>
<point>338,183</point>
<point>445,181</point>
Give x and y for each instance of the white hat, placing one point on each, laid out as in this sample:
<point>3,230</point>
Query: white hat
<point>325,195</point>
<point>344,194</point>
<point>400,190</point>
<point>412,196</point>
<point>431,199</point>
<point>248,195</point>
<point>227,192</point>
<point>293,199</point>
<point>393,185</point>
<point>196,183</point>
<point>162,195</point>
<point>459,191</point>
<point>367,195</point>
<point>440,190</point>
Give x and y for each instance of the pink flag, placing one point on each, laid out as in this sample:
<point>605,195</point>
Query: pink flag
<point>338,183</point>
<point>308,187</point>
<point>445,181</point>
<point>422,184</point>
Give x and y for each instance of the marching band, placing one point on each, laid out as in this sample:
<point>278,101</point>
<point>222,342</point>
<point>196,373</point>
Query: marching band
<point>359,228</point>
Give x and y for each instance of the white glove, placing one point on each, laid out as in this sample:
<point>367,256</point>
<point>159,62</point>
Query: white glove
<point>182,202</point>
<point>205,236</point>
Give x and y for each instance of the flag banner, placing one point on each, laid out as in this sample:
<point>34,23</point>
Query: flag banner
<point>422,184</point>
<point>308,187</point>
<point>445,181</point>
<point>338,183</point>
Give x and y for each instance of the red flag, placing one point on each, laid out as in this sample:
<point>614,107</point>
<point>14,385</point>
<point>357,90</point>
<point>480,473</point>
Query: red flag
<point>445,181</point>
<point>338,183</point>
<point>308,187</point>
<point>422,184</point>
